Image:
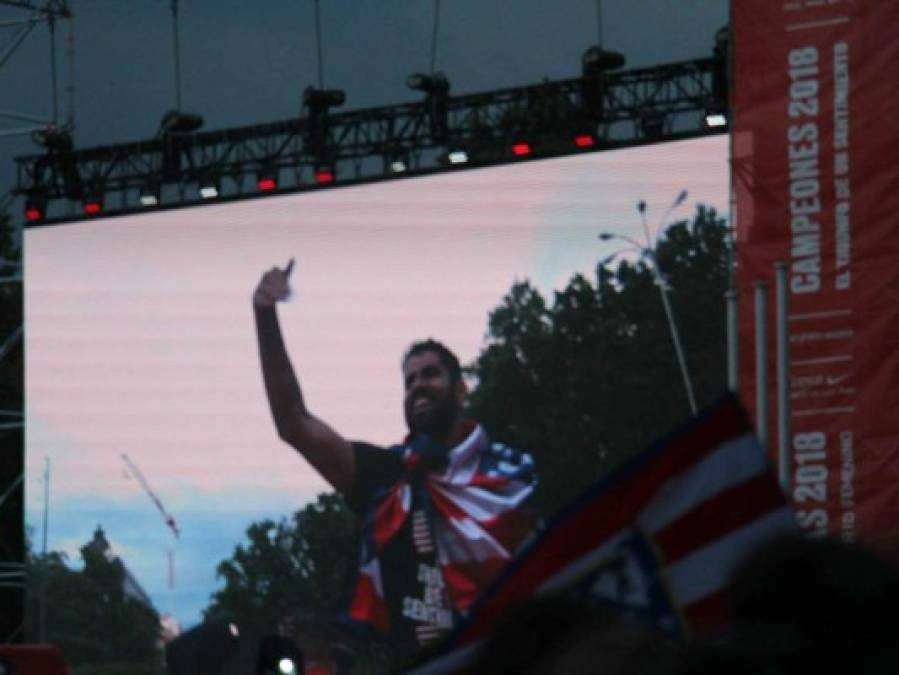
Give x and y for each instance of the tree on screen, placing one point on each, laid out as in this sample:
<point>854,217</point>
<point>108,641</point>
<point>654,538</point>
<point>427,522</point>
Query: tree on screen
<point>589,379</point>
<point>291,577</point>
<point>96,625</point>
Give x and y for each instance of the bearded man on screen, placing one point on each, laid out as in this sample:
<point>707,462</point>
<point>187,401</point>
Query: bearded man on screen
<point>439,515</point>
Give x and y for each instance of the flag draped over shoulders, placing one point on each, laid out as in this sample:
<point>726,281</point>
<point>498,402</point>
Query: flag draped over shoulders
<point>466,508</point>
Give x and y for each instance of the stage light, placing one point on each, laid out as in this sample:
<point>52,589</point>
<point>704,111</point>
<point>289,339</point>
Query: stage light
<point>209,188</point>
<point>58,140</point>
<point>173,129</point>
<point>597,60</point>
<point>287,666</point>
<point>521,149</point>
<point>584,140</point>
<point>436,87</point>
<point>715,119</point>
<point>319,100</point>
<point>431,84</point>
<point>59,145</point>
<point>35,207</point>
<point>177,122</point>
<point>267,179</point>
<point>317,103</point>
<point>149,195</point>
<point>92,207</point>
<point>594,64</point>
<point>323,176</point>
<point>457,157</point>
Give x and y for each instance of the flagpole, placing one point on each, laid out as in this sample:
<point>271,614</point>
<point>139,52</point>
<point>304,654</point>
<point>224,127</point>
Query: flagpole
<point>783,378</point>
<point>761,363</point>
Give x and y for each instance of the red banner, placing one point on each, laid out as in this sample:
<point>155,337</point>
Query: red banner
<point>815,151</point>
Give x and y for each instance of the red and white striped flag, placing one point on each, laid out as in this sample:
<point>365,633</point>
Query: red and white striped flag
<point>658,538</point>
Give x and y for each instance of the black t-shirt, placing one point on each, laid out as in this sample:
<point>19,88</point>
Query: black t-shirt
<point>414,589</point>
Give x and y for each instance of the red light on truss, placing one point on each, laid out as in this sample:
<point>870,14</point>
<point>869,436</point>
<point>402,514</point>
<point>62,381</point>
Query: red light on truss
<point>267,184</point>
<point>92,208</point>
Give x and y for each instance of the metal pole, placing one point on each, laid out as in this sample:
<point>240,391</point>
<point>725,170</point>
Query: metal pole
<point>177,55</point>
<point>70,89</point>
<point>52,25</point>
<point>761,363</point>
<point>599,23</point>
<point>783,378</point>
<point>733,342</point>
<point>731,296</point>
<point>681,361</point>
<point>650,250</point>
<point>42,605</point>
<point>434,36</point>
<point>318,42</point>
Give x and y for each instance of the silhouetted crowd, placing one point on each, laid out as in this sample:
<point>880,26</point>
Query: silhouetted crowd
<point>795,606</point>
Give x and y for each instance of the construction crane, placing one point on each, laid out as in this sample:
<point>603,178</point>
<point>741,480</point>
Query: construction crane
<point>169,519</point>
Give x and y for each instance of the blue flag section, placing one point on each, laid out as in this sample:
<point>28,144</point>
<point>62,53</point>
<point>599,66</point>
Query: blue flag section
<point>658,539</point>
<point>629,581</point>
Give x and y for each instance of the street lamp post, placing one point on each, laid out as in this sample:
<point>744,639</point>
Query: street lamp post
<point>649,250</point>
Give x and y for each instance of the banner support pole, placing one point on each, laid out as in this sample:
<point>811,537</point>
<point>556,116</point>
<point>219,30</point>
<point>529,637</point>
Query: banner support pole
<point>761,363</point>
<point>733,341</point>
<point>783,377</point>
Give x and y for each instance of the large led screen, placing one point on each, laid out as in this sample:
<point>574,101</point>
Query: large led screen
<point>146,406</point>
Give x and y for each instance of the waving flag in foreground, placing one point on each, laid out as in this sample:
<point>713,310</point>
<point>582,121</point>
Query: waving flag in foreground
<point>658,538</point>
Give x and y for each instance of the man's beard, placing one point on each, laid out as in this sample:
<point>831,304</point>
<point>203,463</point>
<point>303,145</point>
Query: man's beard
<point>435,422</point>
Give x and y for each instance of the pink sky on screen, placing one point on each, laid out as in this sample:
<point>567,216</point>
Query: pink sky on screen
<point>140,335</point>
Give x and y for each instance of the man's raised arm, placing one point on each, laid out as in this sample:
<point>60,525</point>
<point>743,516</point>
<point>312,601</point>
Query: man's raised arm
<point>326,450</point>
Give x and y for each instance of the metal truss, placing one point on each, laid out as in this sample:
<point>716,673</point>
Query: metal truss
<point>615,109</point>
<point>12,545</point>
<point>12,555</point>
<point>47,12</point>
